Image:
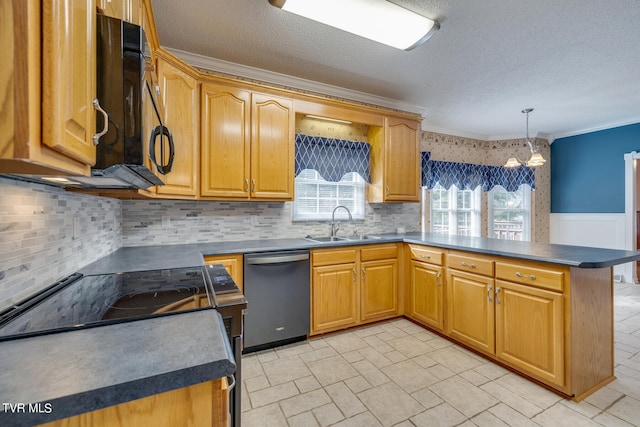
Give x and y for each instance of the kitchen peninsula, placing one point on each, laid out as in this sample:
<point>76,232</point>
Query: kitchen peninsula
<point>535,308</point>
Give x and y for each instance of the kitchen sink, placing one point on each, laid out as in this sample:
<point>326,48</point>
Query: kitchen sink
<point>329,239</point>
<point>325,239</point>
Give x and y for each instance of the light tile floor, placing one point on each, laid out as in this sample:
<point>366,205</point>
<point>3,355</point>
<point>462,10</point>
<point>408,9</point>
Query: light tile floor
<point>399,374</point>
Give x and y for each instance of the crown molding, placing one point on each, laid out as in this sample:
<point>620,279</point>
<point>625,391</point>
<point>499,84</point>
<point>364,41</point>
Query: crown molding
<point>630,121</point>
<point>245,71</point>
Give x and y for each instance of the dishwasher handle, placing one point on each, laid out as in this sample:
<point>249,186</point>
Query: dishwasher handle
<point>276,259</point>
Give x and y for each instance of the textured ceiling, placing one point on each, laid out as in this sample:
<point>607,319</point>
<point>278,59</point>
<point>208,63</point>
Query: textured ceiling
<point>577,62</point>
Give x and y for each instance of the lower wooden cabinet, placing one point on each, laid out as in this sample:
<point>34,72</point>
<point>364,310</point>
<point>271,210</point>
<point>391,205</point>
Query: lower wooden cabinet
<point>427,294</point>
<point>351,286</point>
<point>233,263</point>
<point>379,289</point>
<point>334,296</point>
<point>200,405</point>
<point>530,330</point>
<point>470,312</point>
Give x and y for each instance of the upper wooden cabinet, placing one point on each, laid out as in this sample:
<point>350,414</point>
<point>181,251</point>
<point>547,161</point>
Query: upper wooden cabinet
<point>247,144</point>
<point>395,161</point>
<point>127,10</point>
<point>47,121</point>
<point>180,92</point>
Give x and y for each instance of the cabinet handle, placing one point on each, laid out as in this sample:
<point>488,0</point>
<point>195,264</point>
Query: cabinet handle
<point>425,256</point>
<point>355,274</point>
<point>363,274</point>
<point>438,279</point>
<point>497,297</point>
<point>386,189</point>
<point>531,277</point>
<point>489,293</point>
<point>253,185</point>
<point>464,264</point>
<point>105,117</point>
<point>246,185</point>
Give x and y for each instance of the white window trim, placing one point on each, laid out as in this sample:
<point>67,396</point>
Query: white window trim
<point>476,217</point>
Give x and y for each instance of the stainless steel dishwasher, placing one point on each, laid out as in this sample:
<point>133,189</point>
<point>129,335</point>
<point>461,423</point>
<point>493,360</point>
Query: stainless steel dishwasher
<point>277,289</point>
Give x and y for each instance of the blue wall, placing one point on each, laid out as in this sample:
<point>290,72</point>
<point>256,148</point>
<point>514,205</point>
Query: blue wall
<point>587,171</point>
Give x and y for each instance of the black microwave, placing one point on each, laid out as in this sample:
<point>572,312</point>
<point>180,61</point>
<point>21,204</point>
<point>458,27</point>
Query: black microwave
<point>135,139</point>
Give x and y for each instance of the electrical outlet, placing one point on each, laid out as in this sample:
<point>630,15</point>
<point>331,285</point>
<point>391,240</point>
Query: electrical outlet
<point>166,222</point>
<point>377,218</point>
<point>255,220</point>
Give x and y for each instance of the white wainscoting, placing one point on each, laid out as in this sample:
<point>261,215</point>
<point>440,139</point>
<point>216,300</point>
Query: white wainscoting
<point>599,230</point>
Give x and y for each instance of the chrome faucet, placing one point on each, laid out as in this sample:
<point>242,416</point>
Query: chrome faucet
<point>335,226</point>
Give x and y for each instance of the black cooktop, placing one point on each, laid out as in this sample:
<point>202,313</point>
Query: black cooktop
<point>84,301</point>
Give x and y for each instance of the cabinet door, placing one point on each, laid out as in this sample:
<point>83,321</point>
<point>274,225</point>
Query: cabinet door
<point>272,147</point>
<point>402,164</point>
<point>427,294</point>
<point>334,294</point>
<point>225,142</point>
<point>233,265</point>
<point>180,95</point>
<point>379,289</point>
<point>69,77</point>
<point>529,330</point>
<point>470,312</point>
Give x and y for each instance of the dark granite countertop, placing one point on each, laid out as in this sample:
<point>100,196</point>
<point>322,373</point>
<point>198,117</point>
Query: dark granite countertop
<point>87,369</point>
<point>175,256</point>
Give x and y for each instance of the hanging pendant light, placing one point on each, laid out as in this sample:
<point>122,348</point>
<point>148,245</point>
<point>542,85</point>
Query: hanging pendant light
<point>536,158</point>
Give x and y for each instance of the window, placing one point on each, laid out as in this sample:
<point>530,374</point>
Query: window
<point>455,211</point>
<point>316,198</point>
<point>510,213</point>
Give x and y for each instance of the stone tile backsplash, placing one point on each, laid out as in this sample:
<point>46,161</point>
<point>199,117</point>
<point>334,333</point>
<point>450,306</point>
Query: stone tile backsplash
<point>174,222</point>
<point>37,242</point>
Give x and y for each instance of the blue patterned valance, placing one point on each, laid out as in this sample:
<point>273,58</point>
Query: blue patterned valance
<point>467,176</point>
<point>332,158</point>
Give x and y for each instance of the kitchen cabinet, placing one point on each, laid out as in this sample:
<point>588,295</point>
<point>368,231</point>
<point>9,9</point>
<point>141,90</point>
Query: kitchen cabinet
<point>180,92</point>
<point>247,144</point>
<point>395,161</point>
<point>353,286</point>
<point>334,290</point>
<point>530,330</point>
<point>378,282</point>
<point>200,405</point>
<point>48,86</point>
<point>426,290</point>
<point>233,263</point>
<point>127,10</point>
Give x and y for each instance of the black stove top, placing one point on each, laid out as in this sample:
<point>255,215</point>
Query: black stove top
<point>85,301</point>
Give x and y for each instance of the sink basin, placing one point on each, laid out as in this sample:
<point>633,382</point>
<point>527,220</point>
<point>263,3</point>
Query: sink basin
<point>329,239</point>
<point>324,239</point>
<point>361,237</point>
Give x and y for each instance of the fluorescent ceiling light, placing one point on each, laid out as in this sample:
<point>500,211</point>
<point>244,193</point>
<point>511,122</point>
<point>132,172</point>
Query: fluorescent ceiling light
<point>377,20</point>
<point>328,119</point>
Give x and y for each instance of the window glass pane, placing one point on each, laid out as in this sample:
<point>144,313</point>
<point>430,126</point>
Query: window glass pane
<point>315,198</point>
<point>509,213</point>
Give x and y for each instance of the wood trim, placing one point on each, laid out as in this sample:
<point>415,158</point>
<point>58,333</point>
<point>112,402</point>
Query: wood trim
<point>591,329</point>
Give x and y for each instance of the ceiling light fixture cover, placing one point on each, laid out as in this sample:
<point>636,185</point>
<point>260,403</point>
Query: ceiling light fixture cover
<point>536,158</point>
<point>377,20</point>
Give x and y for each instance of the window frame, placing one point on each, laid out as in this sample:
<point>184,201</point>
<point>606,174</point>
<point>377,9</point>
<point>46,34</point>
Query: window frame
<point>526,210</point>
<point>453,211</point>
<point>356,204</point>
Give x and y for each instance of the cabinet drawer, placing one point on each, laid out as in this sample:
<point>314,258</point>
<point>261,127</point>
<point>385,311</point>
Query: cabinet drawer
<point>471,263</point>
<point>540,275</point>
<point>424,254</point>
<point>378,252</point>
<point>333,257</point>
